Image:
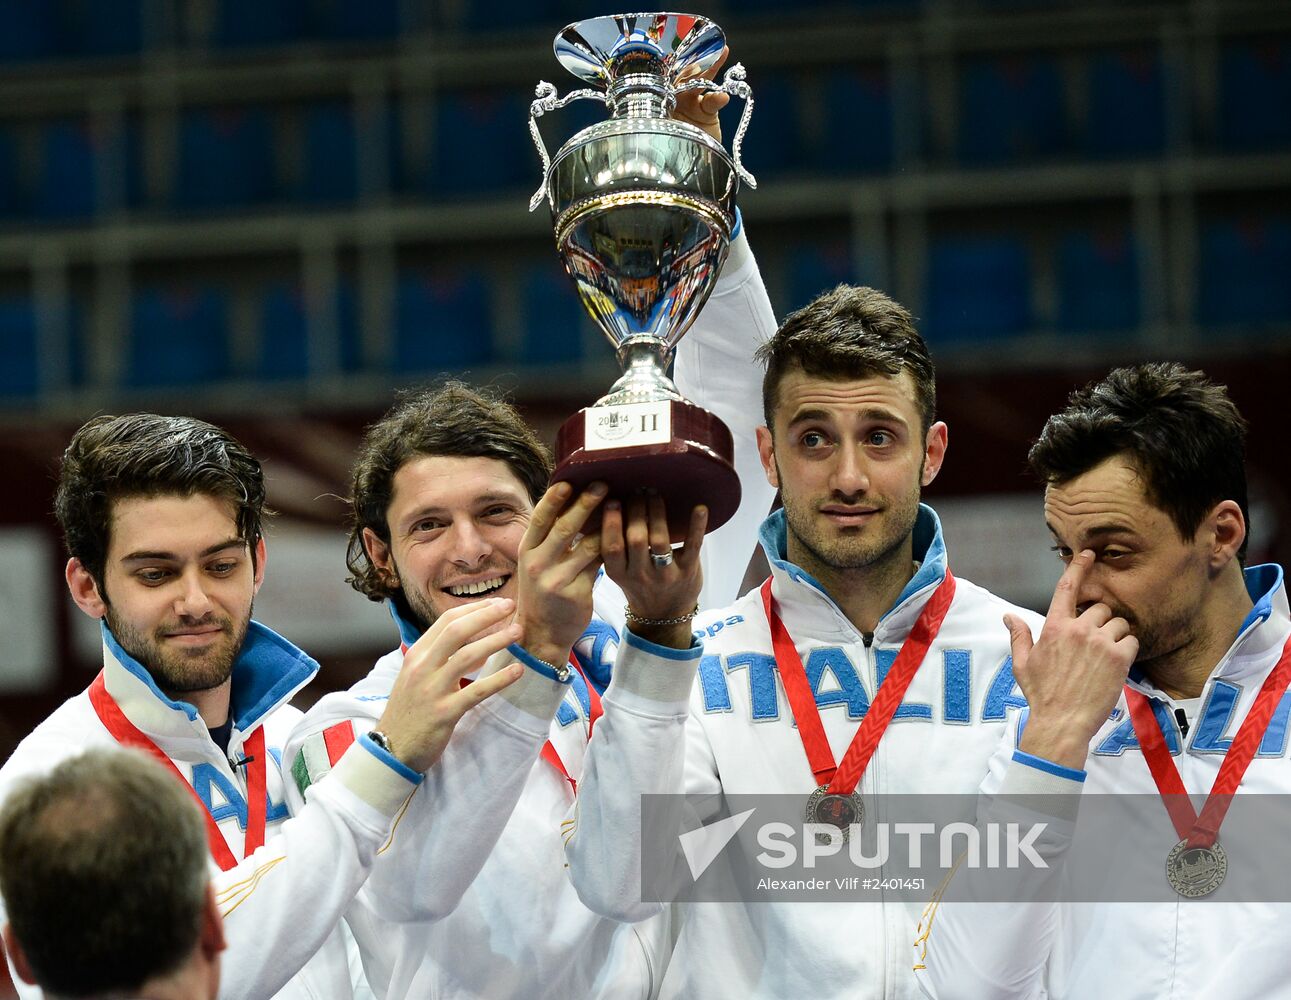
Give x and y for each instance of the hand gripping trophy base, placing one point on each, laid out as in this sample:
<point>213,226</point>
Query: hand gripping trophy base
<point>693,465</point>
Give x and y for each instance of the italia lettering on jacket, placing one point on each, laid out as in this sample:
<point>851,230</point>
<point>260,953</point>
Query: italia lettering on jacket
<point>835,681</point>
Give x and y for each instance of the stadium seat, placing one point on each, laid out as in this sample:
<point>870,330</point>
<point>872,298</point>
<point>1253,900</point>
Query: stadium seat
<point>978,287</point>
<point>30,30</point>
<point>226,158</point>
<point>813,268</point>
<point>245,23</point>
<point>1098,281</point>
<point>1126,104</point>
<point>69,176</point>
<point>858,121</point>
<point>329,171</point>
<point>481,143</point>
<point>94,28</point>
<point>554,317</point>
<point>443,320</point>
<point>14,202</point>
<point>20,373</point>
<point>1243,266</point>
<point>1011,109</point>
<point>178,336</point>
<point>1255,94</point>
<point>284,332</point>
<point>351,21</point>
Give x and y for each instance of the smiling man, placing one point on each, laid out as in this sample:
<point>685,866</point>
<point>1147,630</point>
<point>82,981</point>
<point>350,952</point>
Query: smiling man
<point>162,518</point>
<point>451,506</point>
<point>860,601</point>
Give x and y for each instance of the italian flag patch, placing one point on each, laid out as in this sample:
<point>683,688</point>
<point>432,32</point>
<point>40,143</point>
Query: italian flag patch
<point>320,752</point>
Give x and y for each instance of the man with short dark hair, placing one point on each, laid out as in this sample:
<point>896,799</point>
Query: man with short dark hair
<point>103,867</point>
<point>162,517</point>
<point>860,624</point>
<point>1161,670</point>
<point>450,509</point>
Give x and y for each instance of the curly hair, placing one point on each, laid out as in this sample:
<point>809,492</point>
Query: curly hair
<point>451,419</point>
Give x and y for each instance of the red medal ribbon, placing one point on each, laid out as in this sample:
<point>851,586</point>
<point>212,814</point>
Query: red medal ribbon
<point>548,752</point>
<point>843,778</point>
<point>126,734</point>
<point>1203,830</point>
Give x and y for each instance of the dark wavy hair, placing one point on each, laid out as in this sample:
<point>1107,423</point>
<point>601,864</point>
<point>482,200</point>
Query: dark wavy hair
<point>1178,427</point>
<point>145,455</point>
<point>450,419</point>
<point>849,333</point>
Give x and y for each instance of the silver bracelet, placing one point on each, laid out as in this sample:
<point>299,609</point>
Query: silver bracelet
<point>635,619</point>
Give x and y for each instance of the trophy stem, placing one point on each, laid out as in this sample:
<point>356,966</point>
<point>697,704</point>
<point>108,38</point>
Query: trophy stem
<point>644,362</point>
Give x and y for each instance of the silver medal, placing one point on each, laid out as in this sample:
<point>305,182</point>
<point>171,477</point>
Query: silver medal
<point>837,809</point>
<point>1194,872</point>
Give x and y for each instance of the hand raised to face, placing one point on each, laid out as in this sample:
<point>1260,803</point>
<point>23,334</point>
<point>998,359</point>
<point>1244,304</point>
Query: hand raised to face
<point>1073,674</point>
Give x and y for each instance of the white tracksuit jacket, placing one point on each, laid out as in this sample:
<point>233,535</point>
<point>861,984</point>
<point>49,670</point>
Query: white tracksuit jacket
<point>493,807</point>
<point>734,733</point>
<point>1131,951</point>
<point>278,909</point>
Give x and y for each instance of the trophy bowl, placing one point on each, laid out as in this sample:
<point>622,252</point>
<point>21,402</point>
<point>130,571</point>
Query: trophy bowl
<point>643,208</point>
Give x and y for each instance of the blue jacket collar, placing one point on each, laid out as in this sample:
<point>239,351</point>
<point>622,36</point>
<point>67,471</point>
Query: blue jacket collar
<point>267,672</point>
<point>409,633</point>
<point>929,550</point>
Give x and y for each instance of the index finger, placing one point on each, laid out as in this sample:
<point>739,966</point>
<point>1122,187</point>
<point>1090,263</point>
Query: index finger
<point>545,513</point>
<point>1065,594</point>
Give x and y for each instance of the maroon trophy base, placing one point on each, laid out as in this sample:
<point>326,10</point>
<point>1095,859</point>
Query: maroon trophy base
<point>696,466</point>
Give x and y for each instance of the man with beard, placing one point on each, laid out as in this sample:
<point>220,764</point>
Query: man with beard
<point>863,624</point>
<point>1160,674</point>
<point>162,519</point>
<point>451,506</point>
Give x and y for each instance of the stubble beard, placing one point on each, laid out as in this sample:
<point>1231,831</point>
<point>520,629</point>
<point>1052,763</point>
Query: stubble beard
<point>183,671</point>
<point>853,549</point>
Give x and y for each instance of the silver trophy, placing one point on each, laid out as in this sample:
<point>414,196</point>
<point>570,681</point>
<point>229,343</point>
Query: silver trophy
<point>643,208</point>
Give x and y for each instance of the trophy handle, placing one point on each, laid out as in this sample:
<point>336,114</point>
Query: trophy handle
<point>546,100</point>
<point>733,83</point>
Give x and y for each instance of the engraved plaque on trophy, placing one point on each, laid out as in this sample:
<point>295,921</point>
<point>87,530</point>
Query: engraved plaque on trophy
<point>643,208</point>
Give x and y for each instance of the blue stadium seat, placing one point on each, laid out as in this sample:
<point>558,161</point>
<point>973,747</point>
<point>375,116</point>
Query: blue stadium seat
<point>68,179</point>
<point>20,373</point>
<point>1098,281</point>
<point>817,267</point>
<point>30,30</point>
<point>352,21</point>
<point>284,331</point>
<point>858,121</point>
<point>1126,104</point>
<point>178,336</point>
<point>1011,108</point>
<point>773,143</point>
<point>978,287</point>
<point>481,143</point>
<point>444,320</point>
<point>226,158</point>
<point>554,317</point>
<point>13,200</point>
<point>1242,273</point>
<point>507,15</point>
<point>242,23</point>
<point>92,28</point>
<point>329,172</point>
<point>1255,94</point>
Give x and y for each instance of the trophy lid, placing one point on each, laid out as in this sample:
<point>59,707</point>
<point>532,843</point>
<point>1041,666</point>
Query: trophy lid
<point>601,50</point>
